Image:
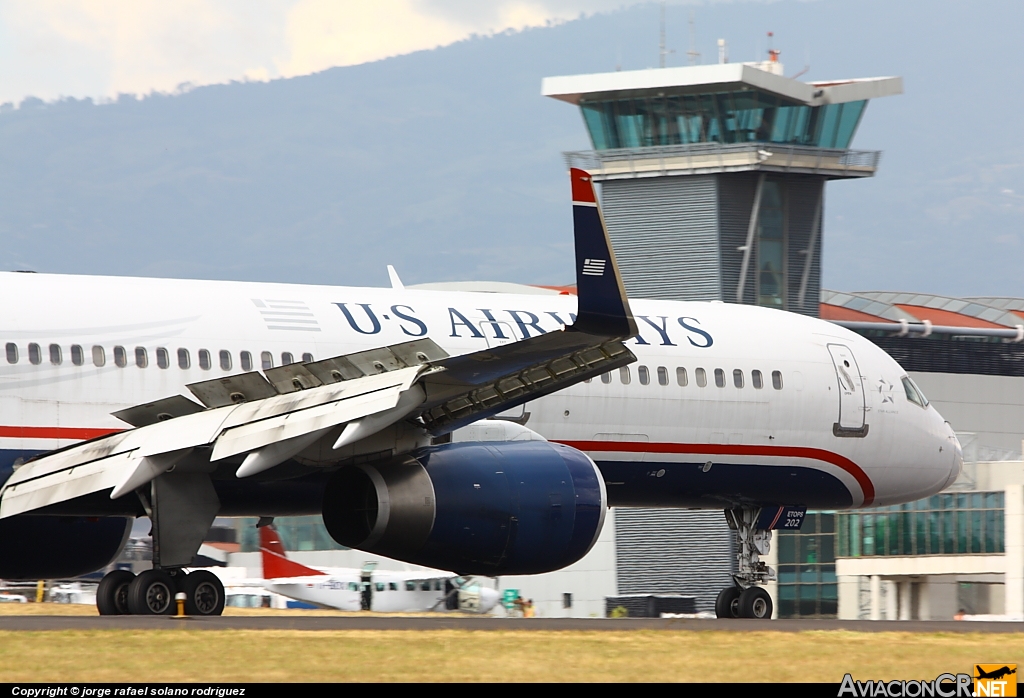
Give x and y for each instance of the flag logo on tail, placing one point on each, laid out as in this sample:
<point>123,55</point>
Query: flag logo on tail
<point>594,267</point>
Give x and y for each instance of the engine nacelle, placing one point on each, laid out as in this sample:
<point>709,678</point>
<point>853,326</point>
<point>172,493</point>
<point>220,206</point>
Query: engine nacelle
<point>473,508</point>
<point>59,547</point>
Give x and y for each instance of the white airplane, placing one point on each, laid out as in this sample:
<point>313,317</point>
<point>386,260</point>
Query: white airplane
<point>385,591</point>
<point>365,405</point>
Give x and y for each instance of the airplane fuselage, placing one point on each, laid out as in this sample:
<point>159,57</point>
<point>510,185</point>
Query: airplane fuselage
<point>726,405</point>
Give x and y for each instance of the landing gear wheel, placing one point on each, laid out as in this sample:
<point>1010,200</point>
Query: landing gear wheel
<point>151,594</point>
<point>112,593</point>
<point>755,602</point>
<point>204,594</point>
<point>727,605</point>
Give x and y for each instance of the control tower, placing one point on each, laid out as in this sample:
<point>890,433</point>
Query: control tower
<point>713,176</point>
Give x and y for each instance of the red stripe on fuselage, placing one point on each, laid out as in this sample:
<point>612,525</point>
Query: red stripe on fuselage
<point>818,454</point>
<point>72,433</point>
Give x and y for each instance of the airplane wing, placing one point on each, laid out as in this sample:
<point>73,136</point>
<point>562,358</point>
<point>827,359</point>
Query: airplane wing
<point>271,417</point>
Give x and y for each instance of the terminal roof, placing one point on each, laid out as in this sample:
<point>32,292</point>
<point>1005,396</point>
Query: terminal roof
<point>721,77</point>
<point>868,306</point>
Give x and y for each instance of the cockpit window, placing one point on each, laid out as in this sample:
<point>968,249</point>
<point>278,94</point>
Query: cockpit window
<point>914,393</point>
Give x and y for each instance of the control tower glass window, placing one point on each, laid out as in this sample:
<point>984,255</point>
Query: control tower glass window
<point>739,116</point>
<point>771,245</point>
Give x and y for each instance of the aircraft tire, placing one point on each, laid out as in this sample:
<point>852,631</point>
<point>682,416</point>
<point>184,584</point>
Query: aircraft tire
<point>755,602</point>
<point>727,605</point>
<point>204,594</point>
<point>152,594</point>
<point>112,593</point>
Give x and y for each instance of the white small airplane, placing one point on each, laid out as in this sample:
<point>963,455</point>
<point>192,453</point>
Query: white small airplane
<point>369,589</point>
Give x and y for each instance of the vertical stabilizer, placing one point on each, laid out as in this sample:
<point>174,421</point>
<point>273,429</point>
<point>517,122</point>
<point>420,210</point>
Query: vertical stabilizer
<point>603,306</point>
<point>275,562</point>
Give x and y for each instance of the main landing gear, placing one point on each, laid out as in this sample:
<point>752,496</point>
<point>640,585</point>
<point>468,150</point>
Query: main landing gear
<point>745,599</point>
<point>151,593</point>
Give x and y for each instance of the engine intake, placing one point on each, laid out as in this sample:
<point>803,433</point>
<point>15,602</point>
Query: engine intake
<point>474,508</point>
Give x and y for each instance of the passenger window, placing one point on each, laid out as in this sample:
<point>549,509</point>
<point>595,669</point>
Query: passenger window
<point>662,375</point>
<point>55,355</point>
<point>644,374</point>
<point>245,359</point>
<point>701,376</point>
<point>719,378</point>
<point>624,375</point>
<point>267,359</point>
<point>353,586</point>
<point>737,378</point>
<point>392,586</point>
<point>777,380</point>
<point>225,360</point>
<point>410,585</point>
<point>425,586</point>
<point>163,359</point>
<point>120,357</point>
<point>35,354</point>
<point>141,357</point>
<point>12,353</point>
<point>204,360</point>
<point>606,377</point>
<point>287,358</point>
<point>681,378</point>
<point>184,360</point>
<point>77,355</point>
<point>99,356</point>
<point>380,586</point>
<point>437,585</point>
<point>756,380</point>
<point>307,358</point>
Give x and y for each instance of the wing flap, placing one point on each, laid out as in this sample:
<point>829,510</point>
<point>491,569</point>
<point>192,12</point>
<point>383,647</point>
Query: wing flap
<point>159,411</point>
<point>232,390</point>
<point>313,410</point>
<point>253,435</point>
<point>480,385</point>
<point>31,493</point>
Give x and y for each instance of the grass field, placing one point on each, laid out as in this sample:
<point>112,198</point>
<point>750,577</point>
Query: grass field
<point>454,655</point>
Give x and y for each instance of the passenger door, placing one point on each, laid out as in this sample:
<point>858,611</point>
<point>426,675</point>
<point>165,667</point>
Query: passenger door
<point>851,393</point>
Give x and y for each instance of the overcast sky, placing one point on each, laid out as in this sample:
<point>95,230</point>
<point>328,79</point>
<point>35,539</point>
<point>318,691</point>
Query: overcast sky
<point>101,48</point>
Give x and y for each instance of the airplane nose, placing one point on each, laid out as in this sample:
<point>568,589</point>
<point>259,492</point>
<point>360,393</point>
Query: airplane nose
<point>488,599</point>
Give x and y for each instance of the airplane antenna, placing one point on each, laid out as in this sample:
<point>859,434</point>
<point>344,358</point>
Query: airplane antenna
<point>693,54</point>
<point>773,54</point>
<point>396,283</point>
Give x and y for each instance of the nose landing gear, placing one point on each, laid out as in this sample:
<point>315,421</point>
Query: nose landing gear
<point>746,599</point>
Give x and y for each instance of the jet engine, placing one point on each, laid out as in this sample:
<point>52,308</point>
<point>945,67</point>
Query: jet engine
<point>476,508</point>
<point>58,547</point>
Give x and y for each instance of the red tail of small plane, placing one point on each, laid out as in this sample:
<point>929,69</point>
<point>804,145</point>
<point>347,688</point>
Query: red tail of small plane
<point>275,562</point>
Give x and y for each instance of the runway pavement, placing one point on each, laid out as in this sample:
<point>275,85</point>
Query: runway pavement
<point>440,622</point>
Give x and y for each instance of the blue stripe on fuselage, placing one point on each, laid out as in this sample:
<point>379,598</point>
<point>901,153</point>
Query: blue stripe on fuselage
<point>687,485</point>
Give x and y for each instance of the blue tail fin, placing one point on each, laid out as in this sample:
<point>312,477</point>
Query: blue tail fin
<point>603,305</point>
